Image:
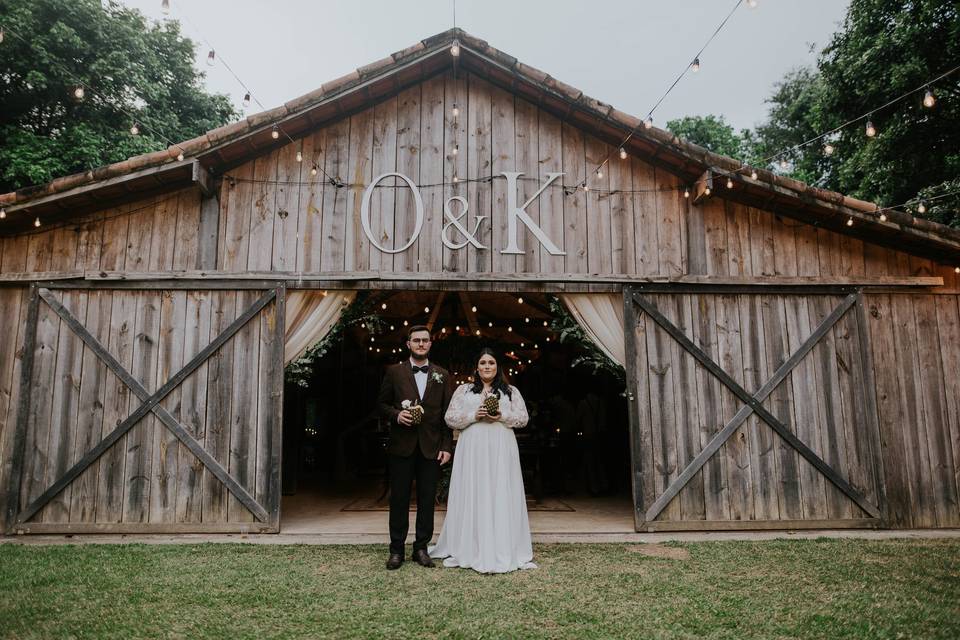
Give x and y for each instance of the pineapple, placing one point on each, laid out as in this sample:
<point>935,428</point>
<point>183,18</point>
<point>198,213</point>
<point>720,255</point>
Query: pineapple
<point>416,412</point>
<point>492,404</point>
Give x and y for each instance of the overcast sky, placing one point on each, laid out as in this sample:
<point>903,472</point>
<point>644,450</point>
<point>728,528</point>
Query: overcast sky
<point>624,52</point>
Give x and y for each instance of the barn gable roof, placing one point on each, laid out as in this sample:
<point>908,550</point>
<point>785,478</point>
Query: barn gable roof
<point>226,147</point>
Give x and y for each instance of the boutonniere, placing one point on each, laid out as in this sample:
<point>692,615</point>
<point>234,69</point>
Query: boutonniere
<point>437,377</point>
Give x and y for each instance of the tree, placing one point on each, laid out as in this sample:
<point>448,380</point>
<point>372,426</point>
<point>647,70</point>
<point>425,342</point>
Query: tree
<point>884,49</point>
<point>714,134</point>
<point>129,66</point>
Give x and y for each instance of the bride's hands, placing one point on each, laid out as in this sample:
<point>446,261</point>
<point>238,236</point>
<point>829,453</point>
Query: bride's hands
<point>484,416</point>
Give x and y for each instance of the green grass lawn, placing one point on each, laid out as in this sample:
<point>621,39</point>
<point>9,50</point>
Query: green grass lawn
<point>770,589</point>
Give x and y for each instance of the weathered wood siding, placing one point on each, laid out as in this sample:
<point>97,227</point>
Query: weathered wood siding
<point>148,477</point>
<point>274,214</point>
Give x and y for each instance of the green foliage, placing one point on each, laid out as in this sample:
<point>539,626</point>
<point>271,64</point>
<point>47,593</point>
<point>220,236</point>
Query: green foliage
<point>714,134</point>
<point>570,332</point>
<point>360,311</point>
<point>143,69</point>
<point>884,49</point>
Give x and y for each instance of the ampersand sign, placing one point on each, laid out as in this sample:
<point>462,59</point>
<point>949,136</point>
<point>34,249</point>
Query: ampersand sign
<point>456,222</point>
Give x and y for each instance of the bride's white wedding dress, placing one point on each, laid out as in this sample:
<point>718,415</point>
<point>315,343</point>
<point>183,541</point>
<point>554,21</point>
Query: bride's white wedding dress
<point>486,528</point>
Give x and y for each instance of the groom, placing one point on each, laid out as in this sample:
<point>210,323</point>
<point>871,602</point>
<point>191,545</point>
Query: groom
<point>415,450</point>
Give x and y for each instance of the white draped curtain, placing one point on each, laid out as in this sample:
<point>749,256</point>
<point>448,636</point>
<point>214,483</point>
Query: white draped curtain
<point>310,316</point>
<point>601,317</point>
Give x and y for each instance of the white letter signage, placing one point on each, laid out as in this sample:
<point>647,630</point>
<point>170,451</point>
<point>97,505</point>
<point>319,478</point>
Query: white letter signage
<point>365,212</point>
<point>514,212</point>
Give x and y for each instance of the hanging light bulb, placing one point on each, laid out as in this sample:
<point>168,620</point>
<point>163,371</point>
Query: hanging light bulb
<point>695,65</point>
<point>828,149</point>
<point>180,157</point>
<point>455,48</point>
<point>299,156</point>
<point>752,4</point>
<point>490,324</point>
<point>36,222</point>
<point>473,308</point>
<point>956,269</point>
<point>729,183</point>
<point>510,329</point>
<point>921,208</point>
<point>211,57</point>
<point>384,306</point>
<point>455,111</point>
<point>165,7</point>
<point>78,92</point>
<point>928,99</point>
<point>648,123</point>
<point>871,130</point>
<point>246,100</point>
<point>3,213</point>
<point>753,174</point>
<point>544,323</point>
<point>519,300</point>
<point>275,132</point>
<point>883,217</point>
<point>456,179</point>
<point>426,309</point>
<point>686,193</point>
<point>313,170</point>
<point>134,129</point>
<point>455,150</point>
<point>707,191</point>
<point>478,331</point>
<point>623,153</point>
<point>599,173</point>
<point>585,186</point>
<point>850,222</point>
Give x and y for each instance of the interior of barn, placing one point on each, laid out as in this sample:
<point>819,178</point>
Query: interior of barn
<point>574,451</point>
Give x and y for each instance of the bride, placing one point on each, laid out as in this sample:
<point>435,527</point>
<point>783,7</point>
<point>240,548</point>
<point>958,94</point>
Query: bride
<point>486,528</point>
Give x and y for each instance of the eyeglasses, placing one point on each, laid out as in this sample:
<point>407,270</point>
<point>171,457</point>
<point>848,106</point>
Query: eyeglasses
<point>420,340</point>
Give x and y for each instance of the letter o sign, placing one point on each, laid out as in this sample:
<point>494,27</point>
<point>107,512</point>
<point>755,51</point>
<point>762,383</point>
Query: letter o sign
<point>365,211</point>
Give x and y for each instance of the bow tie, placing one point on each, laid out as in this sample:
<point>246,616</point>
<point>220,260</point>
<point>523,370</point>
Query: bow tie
<point>417,369</point>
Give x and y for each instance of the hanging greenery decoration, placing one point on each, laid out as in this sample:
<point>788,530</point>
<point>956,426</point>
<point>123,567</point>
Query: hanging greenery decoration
<point>360,311</point>
<point>570,332</point>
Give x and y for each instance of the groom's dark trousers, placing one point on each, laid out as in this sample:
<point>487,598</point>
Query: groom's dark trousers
<point>412,451</point>
<point>403,469</point>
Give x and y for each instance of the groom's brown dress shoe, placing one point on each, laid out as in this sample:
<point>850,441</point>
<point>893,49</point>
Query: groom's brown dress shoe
<point>394,561</point>
<point>422,558</point>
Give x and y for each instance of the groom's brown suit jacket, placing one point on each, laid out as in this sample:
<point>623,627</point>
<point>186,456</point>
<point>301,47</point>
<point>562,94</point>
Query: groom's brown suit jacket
<point>432,434</point>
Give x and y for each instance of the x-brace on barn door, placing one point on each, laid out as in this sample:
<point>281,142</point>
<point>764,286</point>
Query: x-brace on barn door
<point>158,323</point>
<point>641,317</point>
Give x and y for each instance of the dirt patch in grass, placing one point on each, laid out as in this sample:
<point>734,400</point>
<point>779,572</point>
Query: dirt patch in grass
<point>660,551</point>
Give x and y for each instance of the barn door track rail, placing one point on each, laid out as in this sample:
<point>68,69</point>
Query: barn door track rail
<point>753,404</point>
<point>149,403</point>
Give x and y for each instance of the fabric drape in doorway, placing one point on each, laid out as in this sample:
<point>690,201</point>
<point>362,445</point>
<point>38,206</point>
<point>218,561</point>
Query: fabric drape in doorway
<point>310,316</point>
<point>601,317</point>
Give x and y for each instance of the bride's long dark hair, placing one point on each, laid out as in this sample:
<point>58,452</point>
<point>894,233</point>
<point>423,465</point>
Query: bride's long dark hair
<point>499,383</point>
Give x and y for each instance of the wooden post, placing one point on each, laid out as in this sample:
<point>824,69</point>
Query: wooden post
<point>209,227</point>
<point>630,367</point>
<point>23,411</point>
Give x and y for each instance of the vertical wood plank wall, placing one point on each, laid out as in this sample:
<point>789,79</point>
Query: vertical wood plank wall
<point>276,215</point>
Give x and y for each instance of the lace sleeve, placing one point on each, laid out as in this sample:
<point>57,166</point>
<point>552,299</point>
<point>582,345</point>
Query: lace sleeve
<point>514,413</point>
<point>458,414</point>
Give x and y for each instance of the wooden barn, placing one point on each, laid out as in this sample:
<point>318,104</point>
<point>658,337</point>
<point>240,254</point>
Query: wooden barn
<point>791,354</point>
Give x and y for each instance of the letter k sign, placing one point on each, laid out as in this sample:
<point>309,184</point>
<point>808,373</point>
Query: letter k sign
<point>515,213</point>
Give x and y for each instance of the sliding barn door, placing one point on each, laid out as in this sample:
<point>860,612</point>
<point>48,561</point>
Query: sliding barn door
<point>149,410</point>
<point>751,410</point>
